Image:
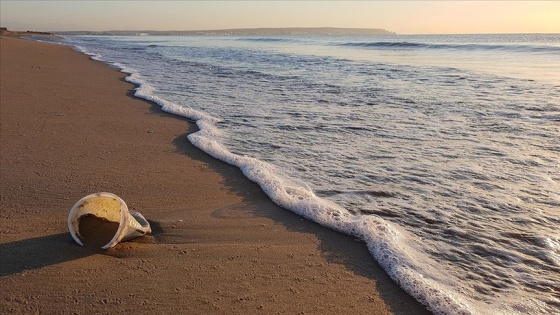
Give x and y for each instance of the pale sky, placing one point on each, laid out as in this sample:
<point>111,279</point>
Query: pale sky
<point>403,17</point>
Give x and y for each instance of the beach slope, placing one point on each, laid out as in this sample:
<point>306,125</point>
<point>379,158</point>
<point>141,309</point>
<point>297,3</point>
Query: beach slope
<point>70,127</point>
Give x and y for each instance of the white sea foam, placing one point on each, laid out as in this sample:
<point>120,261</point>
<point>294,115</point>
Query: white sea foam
<point>385,242</point>
<point>93,56</point>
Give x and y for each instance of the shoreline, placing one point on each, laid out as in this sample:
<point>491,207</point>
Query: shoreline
<point>219,244</point>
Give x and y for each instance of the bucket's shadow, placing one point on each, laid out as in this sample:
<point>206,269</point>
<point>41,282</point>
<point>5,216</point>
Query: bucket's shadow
<point>34,253</point>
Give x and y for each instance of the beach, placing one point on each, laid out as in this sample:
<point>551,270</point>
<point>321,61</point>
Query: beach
<point>70,127</point>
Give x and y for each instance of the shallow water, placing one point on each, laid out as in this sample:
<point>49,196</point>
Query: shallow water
<point>441,152</point>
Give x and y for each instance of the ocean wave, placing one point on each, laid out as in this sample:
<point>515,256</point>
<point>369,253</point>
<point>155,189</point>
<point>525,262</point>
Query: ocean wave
<point>390,244</point>
<point>466,47</point>
<point>386,242</point>
<point>266,39</point>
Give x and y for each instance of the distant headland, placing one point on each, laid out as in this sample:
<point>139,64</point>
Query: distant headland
<point>289,31</point>
<point>6,32</point>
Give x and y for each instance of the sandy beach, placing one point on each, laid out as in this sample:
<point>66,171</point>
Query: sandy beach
<point>70,127</point>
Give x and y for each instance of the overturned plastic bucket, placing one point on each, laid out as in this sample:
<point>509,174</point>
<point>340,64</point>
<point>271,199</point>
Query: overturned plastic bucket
<point>103,220</point>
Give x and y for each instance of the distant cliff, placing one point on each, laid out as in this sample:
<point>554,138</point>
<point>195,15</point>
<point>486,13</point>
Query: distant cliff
<point>289,31</point>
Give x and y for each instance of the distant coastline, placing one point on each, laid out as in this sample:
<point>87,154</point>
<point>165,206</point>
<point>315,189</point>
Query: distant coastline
<point>6,32</point>
<point>289,31</point>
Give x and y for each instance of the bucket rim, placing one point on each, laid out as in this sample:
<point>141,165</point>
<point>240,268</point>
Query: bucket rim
<point>124,211</point>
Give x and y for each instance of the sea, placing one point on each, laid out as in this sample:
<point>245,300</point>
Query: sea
<point>440,152</point>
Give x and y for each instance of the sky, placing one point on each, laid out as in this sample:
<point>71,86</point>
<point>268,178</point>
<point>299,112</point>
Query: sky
<point>402,17</point>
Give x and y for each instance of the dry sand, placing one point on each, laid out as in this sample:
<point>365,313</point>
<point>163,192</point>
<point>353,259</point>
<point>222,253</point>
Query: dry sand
<point>69,127</point>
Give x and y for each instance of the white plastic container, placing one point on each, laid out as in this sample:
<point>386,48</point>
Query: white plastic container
<point>110,207</point>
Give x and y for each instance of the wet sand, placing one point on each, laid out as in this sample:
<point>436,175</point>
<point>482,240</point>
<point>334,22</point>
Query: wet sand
<point>70,127</point>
